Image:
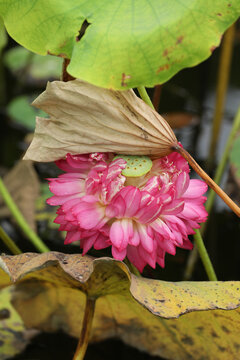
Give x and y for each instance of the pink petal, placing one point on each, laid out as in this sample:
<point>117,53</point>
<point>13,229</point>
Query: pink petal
<point>182,183</point>
<point>72,236</point>
<point>175,207</point>
<point>160,226</point>
<point>135,239</point>
<point>149,258</point>
<point>195,189</point>
<point>161,261</point>
<point>62,188</point>
<point>101,242</point>
<point>118,255</point>
<point>132,198</point>
<point>116,234</point>
<point>135,258</point>
<point>146,240</point>
<point>116,208</point>
<point>87,243</point>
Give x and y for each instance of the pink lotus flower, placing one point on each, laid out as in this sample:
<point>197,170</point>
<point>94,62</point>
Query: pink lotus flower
<point>141,218</point>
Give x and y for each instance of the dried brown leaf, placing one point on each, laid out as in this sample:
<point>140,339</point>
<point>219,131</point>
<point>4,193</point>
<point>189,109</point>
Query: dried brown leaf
<point>22,183</point>
<point>49,294</point>
<point>85,118</point>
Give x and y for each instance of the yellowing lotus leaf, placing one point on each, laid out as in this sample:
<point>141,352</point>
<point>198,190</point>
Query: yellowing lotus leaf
<point>50,289</point>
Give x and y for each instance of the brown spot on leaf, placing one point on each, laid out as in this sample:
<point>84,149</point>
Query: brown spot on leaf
<point>4,314</point>
<point>219,14</point>
<point>215,335</point>
<point>124,77</point>
<point>229,5</point>
<point>162,68</point>
<point>221,348</point>
<point>187,340</point>
<point>237,346</point>
<point>179,40</point>
<point>165,52</point>
<point>226,330</point>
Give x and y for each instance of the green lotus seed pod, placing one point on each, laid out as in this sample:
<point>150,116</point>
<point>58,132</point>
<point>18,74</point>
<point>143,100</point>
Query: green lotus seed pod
<point>136,165</point>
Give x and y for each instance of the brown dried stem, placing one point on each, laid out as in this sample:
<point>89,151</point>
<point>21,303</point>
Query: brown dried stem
<point>207,178</point>
<point>86,329</point>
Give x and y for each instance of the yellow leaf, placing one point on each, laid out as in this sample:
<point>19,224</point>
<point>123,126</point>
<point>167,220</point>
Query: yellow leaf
<point>49,294</point>
<point>13,335</point>
<point>85,118</point>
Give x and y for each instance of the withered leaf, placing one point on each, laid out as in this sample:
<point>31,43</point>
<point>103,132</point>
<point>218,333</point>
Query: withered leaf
<point>22,183</point>
<point>49,294</point>
<point>85,118</point>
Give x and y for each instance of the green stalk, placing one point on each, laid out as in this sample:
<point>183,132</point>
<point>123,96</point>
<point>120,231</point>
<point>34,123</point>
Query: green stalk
<point>204,256</point>
<point>144,95</point>
<point>9,242</point>
<point>198,238</point>
<point>30,234</point>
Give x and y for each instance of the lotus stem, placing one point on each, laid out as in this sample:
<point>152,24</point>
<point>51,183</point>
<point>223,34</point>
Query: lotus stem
<point>9,242</point>
<point>30,234</point>
<point>222,84</point>
<point>86,329</point>
<point>144,95</point>
<point>204,256</point>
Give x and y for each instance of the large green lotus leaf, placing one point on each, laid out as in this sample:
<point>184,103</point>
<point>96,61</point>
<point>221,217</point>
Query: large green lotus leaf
<point>128,43</point>
<point>50,291</point>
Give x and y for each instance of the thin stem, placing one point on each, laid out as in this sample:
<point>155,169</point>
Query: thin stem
<point>192,259</point>
<point>86,329</point>
<point>144,95</point>
<point>222,84</point>
<point>30,234</point>
<point>9,242</point>
<point>204,256</point>
<point>208,180</point>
